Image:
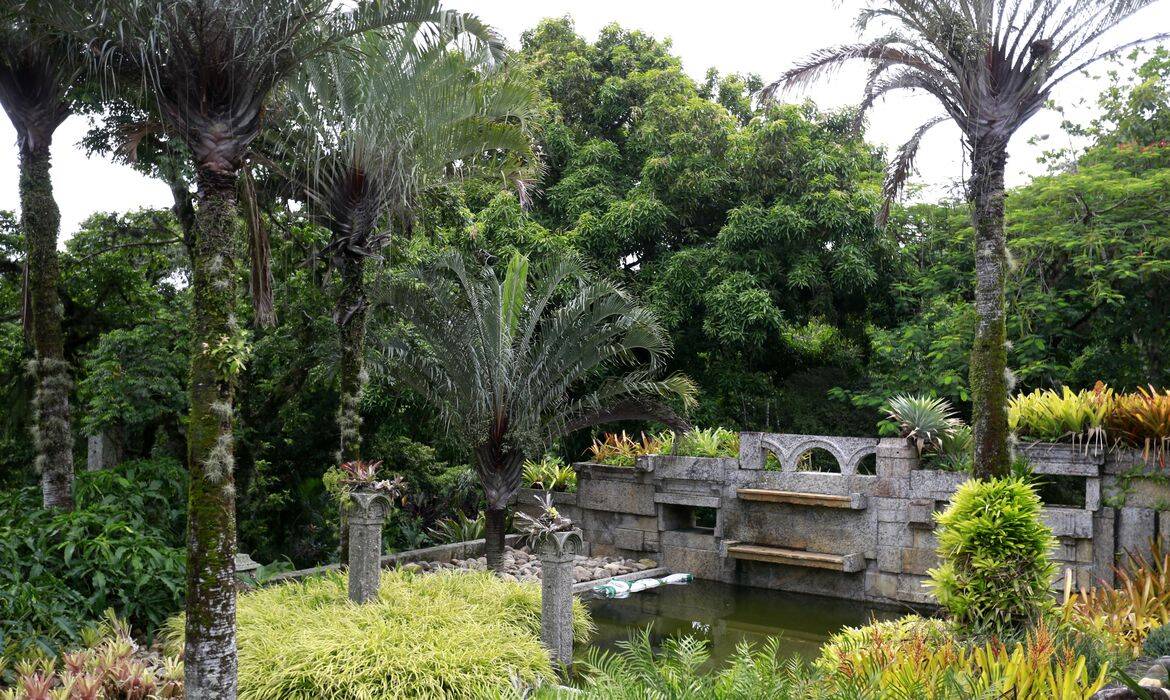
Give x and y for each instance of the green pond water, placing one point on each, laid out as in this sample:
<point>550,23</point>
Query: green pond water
<point>726,615</point>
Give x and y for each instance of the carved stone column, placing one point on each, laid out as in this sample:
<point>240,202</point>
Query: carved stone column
<point>556,552</point>
<point>367,514</point>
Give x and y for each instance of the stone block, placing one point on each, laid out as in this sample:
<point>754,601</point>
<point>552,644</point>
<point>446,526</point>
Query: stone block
<point>1135,530</point>
<point>912,590</point>
<point>629,539</point>
<point>688,539</point>
<point>687,499</point>
<point>889,510</point>
<point>621,493</point>
<point>920,513</point>
<point>918,561</point>
<point>893,535</point>
<point>1104,532</point>
<point>882,585</point>
<point>890,559</point>
<point>1064,459</point>
<point>702,563</point>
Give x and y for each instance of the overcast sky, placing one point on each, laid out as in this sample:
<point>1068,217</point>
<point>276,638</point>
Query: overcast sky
<point>759,36</point>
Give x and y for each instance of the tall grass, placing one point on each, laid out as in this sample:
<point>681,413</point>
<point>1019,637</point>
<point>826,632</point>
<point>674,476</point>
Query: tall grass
<point>446,635</point>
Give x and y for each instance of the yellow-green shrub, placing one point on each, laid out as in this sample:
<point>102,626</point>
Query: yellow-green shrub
<point>921,658</point>
<point>1138,603</point>
<point>994,548</point>
<point>447,635</point>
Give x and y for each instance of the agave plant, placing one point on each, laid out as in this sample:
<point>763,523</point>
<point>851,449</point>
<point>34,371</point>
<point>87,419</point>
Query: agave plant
<point>925,420</point>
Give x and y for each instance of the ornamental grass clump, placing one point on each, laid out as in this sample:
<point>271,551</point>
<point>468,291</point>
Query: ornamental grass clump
<point>994,549</point>
<point>445,635</point>
<point>1142,420</point>
<point>1065,416</point>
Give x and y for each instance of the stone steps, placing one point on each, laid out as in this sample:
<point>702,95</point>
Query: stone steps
<point>848,563</point>
<point>854,501</point>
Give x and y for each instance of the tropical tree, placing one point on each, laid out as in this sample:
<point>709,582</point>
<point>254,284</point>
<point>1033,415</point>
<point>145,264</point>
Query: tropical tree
<point>37,74</point>
<point>514,363</point>
<point>381,124</point>
<point>386,122</point>
<point>211,67</point>
<point>991,64</point>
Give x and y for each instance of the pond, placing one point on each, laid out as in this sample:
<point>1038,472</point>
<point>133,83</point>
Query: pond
<point>726,614</point>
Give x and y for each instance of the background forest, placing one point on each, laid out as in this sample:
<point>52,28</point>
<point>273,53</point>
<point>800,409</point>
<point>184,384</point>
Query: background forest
<point>748,228</point>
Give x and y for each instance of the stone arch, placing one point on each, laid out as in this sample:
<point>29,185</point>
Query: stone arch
<point>848,451</point>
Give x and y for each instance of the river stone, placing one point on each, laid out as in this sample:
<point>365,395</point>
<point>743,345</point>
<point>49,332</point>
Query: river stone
<point>1157,671</point>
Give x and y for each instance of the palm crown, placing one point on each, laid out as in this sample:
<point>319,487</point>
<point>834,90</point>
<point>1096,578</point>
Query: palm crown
<point>991,64</point>
<point>514,363</point>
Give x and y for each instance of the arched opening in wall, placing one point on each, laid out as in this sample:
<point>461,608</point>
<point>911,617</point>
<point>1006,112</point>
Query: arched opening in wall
<point>817,460</point>
<point>868,465</point>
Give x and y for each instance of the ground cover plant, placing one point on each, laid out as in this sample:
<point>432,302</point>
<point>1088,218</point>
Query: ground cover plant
<point>444,635</point>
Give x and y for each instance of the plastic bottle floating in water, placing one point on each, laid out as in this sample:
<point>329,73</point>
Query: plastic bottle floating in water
<point>620,589</point>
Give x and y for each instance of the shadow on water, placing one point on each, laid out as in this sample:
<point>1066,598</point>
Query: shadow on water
<point>725,615</point>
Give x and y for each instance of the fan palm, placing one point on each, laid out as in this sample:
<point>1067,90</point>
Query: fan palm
<point>513,363</point>
<point>380,125</point>
<point>991,65</point>
<point>211,67</point>
<point>37,73</point>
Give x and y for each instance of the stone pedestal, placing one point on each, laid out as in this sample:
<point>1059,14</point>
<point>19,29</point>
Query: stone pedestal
<point>556,551</point>
<point>367,514</point>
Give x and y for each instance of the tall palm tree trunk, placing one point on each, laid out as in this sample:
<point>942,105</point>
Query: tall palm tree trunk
<point>499,472</point>
<point>494,532</point>
<point>350,317</point>
<point>210,656</point>
<point>40,221</point>
<point>988,377</point>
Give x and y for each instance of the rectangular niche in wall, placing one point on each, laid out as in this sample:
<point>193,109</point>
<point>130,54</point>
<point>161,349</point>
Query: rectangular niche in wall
<point>687,513</point>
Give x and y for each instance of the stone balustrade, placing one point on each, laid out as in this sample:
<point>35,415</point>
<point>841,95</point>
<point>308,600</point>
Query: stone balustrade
<point>773,519</point>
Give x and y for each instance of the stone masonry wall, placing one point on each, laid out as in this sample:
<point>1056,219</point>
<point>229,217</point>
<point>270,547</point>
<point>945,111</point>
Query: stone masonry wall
<point>876,528</point>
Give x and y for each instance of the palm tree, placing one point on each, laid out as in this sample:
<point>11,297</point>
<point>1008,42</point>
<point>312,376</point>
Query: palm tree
<point>211,67</point>
<point>513,364</point>
<point>387,121</point>
<point>991,64</point>
<point>36,76</point>
<point>382,123</point>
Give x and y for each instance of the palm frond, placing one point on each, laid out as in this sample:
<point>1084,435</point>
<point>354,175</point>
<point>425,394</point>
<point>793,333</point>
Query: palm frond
<point>902,166</point>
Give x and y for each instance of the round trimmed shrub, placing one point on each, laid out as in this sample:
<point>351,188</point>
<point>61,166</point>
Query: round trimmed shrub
<point>443,635</point>
<point>994,549</point>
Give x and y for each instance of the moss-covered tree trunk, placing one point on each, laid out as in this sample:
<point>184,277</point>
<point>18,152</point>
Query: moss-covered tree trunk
<point>40,221</point>
<point>350,317</point>
<point>988,373</point>
<point>210,651</point>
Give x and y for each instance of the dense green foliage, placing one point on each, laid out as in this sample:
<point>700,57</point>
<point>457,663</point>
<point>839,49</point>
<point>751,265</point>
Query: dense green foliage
<point>449,635</point>
<point>994,549</point>
<point>119,549</point>
<point>748,229</point>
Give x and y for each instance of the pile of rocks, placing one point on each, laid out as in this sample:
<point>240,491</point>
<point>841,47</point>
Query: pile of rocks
<point>521,565</point>
<point>1155,681</point>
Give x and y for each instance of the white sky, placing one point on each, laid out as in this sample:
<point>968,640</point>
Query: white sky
<point>760,36</point>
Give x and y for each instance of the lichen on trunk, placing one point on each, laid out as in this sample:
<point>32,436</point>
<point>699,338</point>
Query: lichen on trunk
<point>210,635</point>
<point>988,372</point>
<point>52,433</point>
<point>350,319</point>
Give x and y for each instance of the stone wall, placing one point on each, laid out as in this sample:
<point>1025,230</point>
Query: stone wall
<point>846,533</point>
